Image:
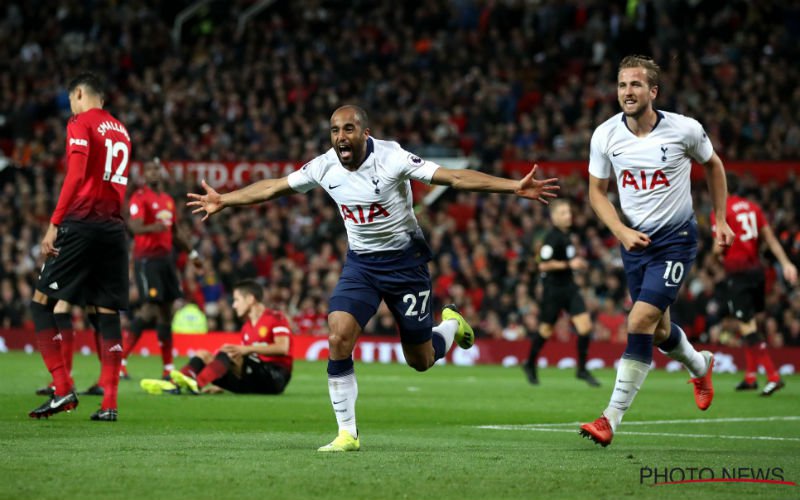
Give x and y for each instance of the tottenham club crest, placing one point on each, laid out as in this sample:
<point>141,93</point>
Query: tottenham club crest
<point>375,181</point>
<point>663,153</point>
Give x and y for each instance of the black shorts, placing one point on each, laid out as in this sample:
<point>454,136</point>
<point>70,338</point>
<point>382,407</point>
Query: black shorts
<point>157,279</point>
<point>257,378</point>
<point>558,298</point>
<point>744,294</point>
<point>91,267</point>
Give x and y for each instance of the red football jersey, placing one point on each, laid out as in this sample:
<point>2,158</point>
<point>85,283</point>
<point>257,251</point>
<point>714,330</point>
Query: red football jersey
<point>271,324</point>
<point>100,191</point>
<point>746,220</point>
<point>149,206</point>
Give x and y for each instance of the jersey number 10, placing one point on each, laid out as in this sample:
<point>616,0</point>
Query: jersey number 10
<point>113,149</point>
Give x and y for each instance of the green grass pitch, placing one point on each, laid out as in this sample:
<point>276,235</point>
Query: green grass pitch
<point>424,435</point>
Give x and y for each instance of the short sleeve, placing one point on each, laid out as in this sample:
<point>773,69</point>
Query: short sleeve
<point>548,248</point>
<point>698,144</point>
<point>136,207</point>
<point>281,326</point>
<point>599,164</point>
<point>414,167</point>
<point>307,177</point>
<point>546,253</point>
<point>77,138</point>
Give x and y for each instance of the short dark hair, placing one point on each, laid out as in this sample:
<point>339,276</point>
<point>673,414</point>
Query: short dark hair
<point>361,114</point>
<point>652,69</point>
<point>91,81</point>
<point>250,287</point>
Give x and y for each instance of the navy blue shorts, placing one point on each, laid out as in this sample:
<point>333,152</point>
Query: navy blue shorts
<point>656,273</point>
<point>401,279</point>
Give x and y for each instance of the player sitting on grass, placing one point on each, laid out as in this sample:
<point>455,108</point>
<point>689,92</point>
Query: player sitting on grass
<point>261,364</point>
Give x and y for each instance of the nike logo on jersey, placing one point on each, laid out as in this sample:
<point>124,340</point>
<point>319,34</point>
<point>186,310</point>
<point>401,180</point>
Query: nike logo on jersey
<point>616,153</point>
<point>670,285</point>
<point>333,187</point>
<point>421,318</point>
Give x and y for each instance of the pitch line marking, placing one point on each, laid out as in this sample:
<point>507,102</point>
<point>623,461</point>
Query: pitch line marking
<point>651,422</point>
<point>623,433</point>
<point>554,427</point>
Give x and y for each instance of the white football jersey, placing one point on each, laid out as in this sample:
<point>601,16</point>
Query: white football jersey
<point>653,172</point>
<point>374,201</point>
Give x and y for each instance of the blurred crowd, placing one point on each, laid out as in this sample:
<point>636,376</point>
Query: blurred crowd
<point>494,80</point>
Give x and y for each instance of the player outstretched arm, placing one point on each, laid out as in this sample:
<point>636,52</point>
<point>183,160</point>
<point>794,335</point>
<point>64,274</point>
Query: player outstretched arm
<point>631,239</point>
<point>257,192</point>
<point>718,188</point>
<point>789,269</point>
<point>471,180</point>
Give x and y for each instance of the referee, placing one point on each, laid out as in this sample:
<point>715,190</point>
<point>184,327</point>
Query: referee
<point>557,261</point>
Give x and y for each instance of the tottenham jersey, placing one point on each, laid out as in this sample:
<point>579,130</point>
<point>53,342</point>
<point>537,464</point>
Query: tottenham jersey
<point>375,201</point>
<point>653,172</point>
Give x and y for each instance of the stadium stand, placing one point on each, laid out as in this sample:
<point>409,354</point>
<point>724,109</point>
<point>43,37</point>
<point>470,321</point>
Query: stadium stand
<point>498,81</point>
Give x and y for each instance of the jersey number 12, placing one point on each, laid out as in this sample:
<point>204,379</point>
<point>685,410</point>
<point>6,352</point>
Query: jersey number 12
<point>113,149</point>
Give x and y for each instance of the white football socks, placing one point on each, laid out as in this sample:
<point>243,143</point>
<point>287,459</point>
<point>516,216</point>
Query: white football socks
<point>344,392</point>
<point>447,329</point>
<point>630,377</point>
<point>686,354</point>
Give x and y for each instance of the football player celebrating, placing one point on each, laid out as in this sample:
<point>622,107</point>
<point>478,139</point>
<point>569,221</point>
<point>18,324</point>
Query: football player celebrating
<point>369,179</point>
<point>651,154</point>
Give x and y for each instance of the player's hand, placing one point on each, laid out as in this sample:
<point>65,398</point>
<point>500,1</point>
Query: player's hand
<point>790,274</point>
<point>210,203</point>
<point>724,234</point>
<point>578,264</point>
<point>633,240</point>
<point>49,241</point>
<point>539,190</point>
<point>212,389</point>
<point>234,351</point>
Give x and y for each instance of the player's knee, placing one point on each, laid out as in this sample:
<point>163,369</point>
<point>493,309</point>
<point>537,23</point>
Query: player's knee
<point>644,319</point>
<point>62,307</point>
<point>343,334</point>
<point>341,341</point>
<point>41,298</point>
<point>148,312</point>
<point>163,313</point>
